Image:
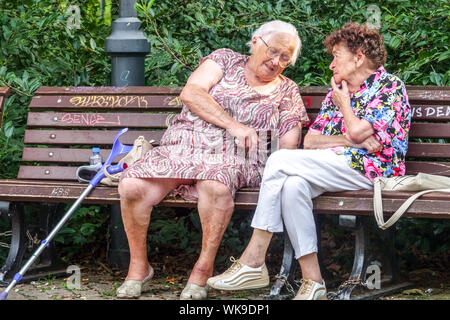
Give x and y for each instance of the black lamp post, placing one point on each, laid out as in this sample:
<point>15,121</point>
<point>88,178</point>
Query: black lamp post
<point>127,46</point>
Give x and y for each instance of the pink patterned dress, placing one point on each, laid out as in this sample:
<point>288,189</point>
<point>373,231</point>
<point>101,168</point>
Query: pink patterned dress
<point>194,149</point>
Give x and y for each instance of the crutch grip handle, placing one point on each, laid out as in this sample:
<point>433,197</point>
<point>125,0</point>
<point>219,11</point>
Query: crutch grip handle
<point>117,168</point>
<point>111,170</point>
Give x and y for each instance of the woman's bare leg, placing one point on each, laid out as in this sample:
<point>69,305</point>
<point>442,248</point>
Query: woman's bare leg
<point>137,198</point>
<point>215,207</point>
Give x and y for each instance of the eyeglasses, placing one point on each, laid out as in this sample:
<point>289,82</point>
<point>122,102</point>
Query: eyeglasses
<point>284,59</point>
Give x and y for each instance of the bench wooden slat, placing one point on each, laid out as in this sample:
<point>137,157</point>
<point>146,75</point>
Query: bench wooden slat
<point>433,208</point>
<point>424,94</point>
<point>435,204</point>
<point>63,155</point>
<point>428,150</point>
<point>419,112</point>
<point>2,100</point>
<point>131,90</point>
<point>106,102</point>
<point>66,173</point>
<point>416,94</point>
<point>425,130</point>
<point>102,120</point>
<point>173,103</point>
<point>86,137</point>
<point>47,173</point>
<point>4,91</point>
<point>66,155</point>
<point>432,113</point>
<point>434,167</point>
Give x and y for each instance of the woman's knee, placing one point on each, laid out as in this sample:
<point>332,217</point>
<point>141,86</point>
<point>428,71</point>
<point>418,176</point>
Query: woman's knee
<point>133,189</point>
<point>129,189</point>
<point>294,183</point>
<point>276,161</point>
<point>216,193</point>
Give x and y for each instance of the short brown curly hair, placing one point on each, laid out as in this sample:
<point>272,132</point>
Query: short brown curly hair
<point>356,36</point>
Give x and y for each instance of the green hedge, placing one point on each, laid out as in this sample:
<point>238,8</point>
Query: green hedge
<point>37,48</point>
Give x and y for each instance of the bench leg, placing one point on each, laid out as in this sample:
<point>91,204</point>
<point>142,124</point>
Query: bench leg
<point>118,249</point>
<point>358,225</point>
<point>22,241</point>
<point>380,284</point>
<point>48,260</point>
<point>15,213</point>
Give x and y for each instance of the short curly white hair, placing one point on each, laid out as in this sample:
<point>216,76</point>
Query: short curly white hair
<point>277,26</point>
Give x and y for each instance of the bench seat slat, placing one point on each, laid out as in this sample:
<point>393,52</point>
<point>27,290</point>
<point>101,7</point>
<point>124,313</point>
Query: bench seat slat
<point>435,204</point>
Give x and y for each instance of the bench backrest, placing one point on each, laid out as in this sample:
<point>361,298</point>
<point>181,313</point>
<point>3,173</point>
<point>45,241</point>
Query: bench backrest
<point>4,93</point>
<point>65,122</point>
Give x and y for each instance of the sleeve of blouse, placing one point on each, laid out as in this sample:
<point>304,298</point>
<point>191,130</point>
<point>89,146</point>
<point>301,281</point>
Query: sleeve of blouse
<point>223,57</point>
<point>322,119</point>
<point>292,111</point>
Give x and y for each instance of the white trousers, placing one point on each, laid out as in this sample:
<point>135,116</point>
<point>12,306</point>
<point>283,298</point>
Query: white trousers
<point>292,178</point>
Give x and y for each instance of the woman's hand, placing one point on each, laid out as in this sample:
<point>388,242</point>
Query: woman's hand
<point>371,144</point>
<point>341,96</point>
<point>244,137</point>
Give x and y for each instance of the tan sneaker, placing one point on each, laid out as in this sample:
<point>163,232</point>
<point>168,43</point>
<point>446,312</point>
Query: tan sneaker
<point>240,277</point>
<point>311,290</point>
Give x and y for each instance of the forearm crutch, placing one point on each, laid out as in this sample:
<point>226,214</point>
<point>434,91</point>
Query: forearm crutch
<point>117,149</point>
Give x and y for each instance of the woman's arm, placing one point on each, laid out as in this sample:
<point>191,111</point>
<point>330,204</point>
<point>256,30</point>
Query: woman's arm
<point>195,95</point>
<point>316,140</point>
<point>357,129</point>
<point>291,139</point>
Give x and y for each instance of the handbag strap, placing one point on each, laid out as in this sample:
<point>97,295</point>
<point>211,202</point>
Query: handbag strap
<point>378,205</point>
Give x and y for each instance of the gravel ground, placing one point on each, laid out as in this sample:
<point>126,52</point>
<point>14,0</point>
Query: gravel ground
<point>95,285</point>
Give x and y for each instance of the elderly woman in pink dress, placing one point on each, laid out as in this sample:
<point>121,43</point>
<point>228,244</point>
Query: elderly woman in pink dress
<point>210,149</point>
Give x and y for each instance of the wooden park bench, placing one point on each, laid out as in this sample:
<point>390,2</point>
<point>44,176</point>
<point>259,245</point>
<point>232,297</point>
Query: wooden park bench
<point>64,122</point>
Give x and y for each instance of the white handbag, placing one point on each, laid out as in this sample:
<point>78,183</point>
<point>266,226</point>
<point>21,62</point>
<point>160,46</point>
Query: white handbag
<point>422,182</point>
<point>140,148</point>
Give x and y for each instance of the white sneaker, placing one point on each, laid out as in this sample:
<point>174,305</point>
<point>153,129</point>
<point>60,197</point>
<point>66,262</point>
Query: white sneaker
<point>240,277</point>
<point>311,290</point>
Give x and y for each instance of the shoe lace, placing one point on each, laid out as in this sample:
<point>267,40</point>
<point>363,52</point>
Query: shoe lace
<point>306,286</point>
<point>235,266</point>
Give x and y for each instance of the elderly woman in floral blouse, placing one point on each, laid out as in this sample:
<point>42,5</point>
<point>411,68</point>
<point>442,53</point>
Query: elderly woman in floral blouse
<point>360,133</point>
<point>226,101</point>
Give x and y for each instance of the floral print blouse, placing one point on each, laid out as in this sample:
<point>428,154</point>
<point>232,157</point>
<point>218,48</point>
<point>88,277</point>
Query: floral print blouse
<point>381,100</point>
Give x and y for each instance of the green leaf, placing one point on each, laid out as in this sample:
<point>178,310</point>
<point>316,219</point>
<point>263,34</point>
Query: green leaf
<point>93,44</point>
<point>8,129</point>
